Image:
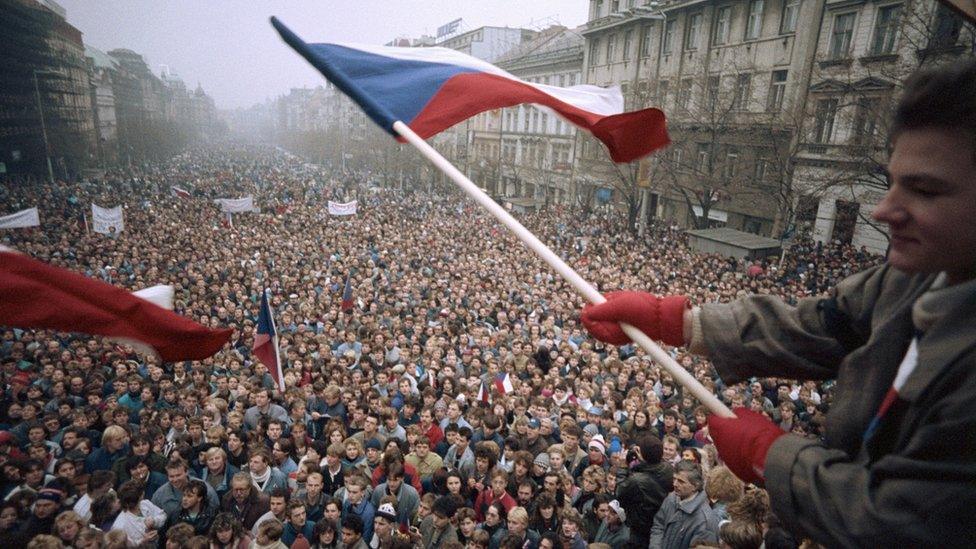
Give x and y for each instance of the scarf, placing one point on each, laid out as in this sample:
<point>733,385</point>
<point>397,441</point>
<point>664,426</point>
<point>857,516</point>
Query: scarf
<point>260,481</point>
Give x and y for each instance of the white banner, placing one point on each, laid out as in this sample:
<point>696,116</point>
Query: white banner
<point>349,208</point>
<point>104,219</point>
<point>236,205</point>
<point>21,219</point>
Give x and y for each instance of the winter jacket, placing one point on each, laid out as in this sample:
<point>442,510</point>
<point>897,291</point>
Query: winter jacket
<point>641,495</point>
<point>679,523</point>
<point>912,482</point>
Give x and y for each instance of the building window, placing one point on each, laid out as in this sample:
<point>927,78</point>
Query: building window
<point>614,6</point>
<point>712,91</point>
<point>885,29</point>
<point>743,89</point>
<point>611,48</point>
<point>731,164</point>
<point>754,21</point>
<point>628,43</point>
<point>866,120</point>
<point>684,94</point>
<point>703,158</point>
<point>694,30</point>
<point>761,168</point>
<point>723,19</point>
<point>840,38</point>
<point>824,120</point>
<point>777,90</point>
<point>791,10</point>
<point>668,39</point>
<point>645,44</point>
<point>662,92</point>
<point>947,27</point>
<point>595,52</point>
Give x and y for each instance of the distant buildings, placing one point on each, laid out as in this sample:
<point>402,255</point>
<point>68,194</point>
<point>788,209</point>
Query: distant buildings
<point>776,109</point>
<point>73,107</point>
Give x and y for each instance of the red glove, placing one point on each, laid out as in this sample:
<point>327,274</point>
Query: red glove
<point>661,318</point>
<point>744,441</point>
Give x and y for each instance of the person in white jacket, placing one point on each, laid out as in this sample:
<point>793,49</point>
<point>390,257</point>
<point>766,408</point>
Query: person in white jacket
<point>140,518</point>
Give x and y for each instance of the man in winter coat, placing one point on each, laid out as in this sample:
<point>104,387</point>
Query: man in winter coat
<point>685,515</point>
<point>900,339</point>
<point>641,493</point>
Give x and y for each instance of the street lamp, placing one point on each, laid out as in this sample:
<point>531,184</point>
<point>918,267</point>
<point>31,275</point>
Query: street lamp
<point>40,109</point>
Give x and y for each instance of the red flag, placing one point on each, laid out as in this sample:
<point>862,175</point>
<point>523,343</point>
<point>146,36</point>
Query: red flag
<point>347,295</point>
<point>40,296</point>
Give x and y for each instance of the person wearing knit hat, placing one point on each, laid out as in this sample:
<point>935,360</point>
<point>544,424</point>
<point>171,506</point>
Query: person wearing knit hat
<point>540,465</point>
<point>612,530</point>
<point>384,524</point>
<point>598,443</point>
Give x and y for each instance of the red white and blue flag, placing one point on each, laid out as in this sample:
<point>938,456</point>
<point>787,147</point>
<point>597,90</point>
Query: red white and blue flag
<point>266,342</point>
<point>178,192</point>
<point>347,301</point>
<point>484,395</point>
<point>504,383</point>
<point>432,89</point>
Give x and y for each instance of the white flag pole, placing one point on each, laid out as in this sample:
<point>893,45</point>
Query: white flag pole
<point>679,374</point>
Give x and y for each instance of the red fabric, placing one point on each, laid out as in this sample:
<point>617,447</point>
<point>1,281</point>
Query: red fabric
<point>486,498</point>
<point>410,476</point>
<point>628,136</point>
<point>434,435</point>
<point>40,296</point>
<point>661,318</point>
<point>744,441</point>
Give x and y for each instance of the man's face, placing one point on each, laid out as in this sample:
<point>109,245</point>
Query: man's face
<point>683,488</point>
<point>669,451</point>
<point>394,483</point>
<point>257,464</point>
<point>524,494</point>
<point>313,485</point>
<point>190,499</point>
<point>297,517</point>
<point>354,493</point>
<point>177,477</point>
<point>277,505</point>
<point>441,521</point>
<point>570,442</point>
<point>929,206</point>
<point>44,508</point>
<point>274,431</point>
<point>349,537</point>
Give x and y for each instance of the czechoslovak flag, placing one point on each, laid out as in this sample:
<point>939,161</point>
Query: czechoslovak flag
<point>504,383</point>
<point>36,295</point>
<point>266,342</point>
<point>432,89</point>
<point>347,301</point>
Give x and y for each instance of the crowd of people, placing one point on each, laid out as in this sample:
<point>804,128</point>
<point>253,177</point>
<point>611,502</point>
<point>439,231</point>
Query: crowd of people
<point>458,403</point>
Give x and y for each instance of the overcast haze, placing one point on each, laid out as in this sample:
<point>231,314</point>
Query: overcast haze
<point>230,48</point>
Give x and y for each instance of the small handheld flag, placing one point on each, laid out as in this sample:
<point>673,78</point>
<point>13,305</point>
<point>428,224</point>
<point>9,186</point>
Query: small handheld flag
<point>266,342</point>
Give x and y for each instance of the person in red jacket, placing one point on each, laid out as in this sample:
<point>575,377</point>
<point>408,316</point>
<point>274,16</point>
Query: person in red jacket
<point>498,492</point>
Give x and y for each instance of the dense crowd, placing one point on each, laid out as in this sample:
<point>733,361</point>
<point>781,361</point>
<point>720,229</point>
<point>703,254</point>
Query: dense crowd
<point>396,427</point>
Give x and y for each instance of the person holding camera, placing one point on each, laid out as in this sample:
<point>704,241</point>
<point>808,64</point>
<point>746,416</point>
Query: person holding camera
<point>641,493</point>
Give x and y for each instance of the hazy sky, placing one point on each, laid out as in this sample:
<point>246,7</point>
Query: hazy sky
<point>229,47</point>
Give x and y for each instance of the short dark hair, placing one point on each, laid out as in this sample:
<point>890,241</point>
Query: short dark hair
<point>354,523</point>
<point>939,97</point>
<point>444,506</point>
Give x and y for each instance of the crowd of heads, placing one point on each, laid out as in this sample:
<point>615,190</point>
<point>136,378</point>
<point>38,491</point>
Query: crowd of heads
<point>461,375</point>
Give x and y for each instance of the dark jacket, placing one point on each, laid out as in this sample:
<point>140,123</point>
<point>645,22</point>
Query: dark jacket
<point>678,523</point>
<point>912,483</point>
<point>256,504</point>
<point>641,495</point>
<point>200,523</point>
